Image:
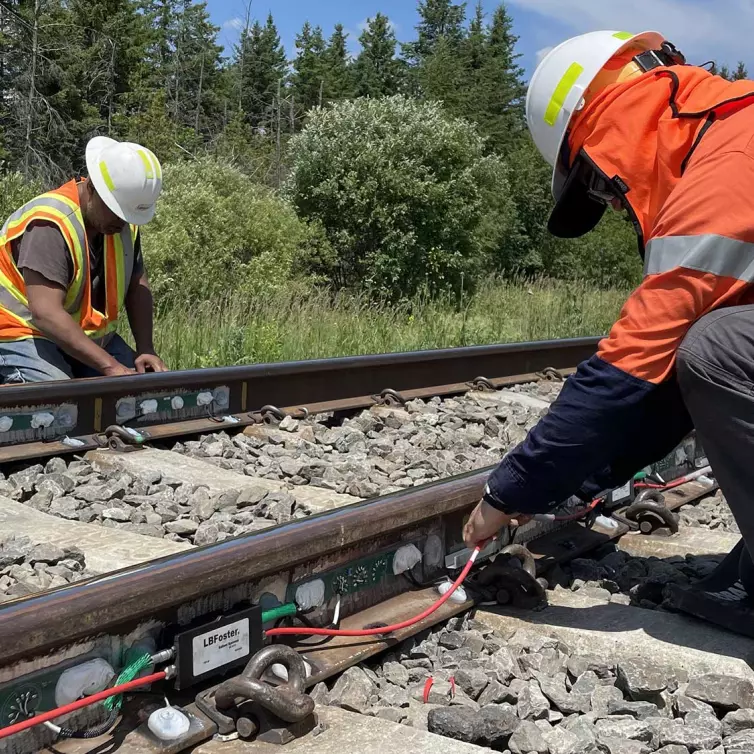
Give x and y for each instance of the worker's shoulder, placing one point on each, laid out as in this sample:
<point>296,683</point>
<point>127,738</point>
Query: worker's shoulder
<point>730,136</point>
<point>45,233</point>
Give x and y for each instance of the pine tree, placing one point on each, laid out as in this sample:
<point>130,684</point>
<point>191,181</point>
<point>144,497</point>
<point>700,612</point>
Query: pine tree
<point>263,66</point>
<point>740,73</point>
<point>196,68</point>
<point>439,20</point>
<point>724,72</point>
<point>338,76</point>
<point>497,104</point>
<point>443,76</point>
<point>308,77</point>
<point>474,45</point>
<point>376,71</point>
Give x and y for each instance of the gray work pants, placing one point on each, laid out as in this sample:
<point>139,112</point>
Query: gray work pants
<point>716,376</point>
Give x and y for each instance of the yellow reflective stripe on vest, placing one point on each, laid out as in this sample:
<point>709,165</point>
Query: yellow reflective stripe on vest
<point>60,211</point>
<point>120,279</point>
<point>69,214</point>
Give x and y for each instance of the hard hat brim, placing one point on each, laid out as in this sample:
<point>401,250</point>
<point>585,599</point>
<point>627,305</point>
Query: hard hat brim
<point>94,150</point>
<point>575,212</point>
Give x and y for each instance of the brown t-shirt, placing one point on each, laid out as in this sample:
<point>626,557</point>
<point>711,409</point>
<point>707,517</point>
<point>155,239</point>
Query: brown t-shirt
<point>43,249</point>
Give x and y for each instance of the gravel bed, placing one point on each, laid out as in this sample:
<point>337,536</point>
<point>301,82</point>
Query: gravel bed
<point>157,507</point>
<point>27,567</point>
<point>615,576</point>
<point>530,693</point>
<point>370,454</point>
<point>380,451</point>
<point>711,512</point>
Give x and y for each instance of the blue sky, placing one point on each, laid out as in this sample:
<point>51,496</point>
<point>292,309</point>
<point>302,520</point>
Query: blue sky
<point>703,29</point>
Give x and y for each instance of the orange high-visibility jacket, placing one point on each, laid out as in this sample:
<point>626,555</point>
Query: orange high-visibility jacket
<point>678,144</point>
<point>61,207</point>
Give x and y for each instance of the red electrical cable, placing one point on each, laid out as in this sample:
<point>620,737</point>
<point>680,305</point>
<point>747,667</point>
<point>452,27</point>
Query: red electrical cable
<point>580,513</point>
<point>387,629</point>
<point>80,704</point>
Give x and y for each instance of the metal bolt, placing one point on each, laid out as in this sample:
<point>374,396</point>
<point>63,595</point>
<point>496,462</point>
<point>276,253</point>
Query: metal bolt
<point>246,727</point>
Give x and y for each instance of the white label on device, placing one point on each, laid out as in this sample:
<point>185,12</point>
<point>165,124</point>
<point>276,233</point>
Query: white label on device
<point>621,492</point>
<point>221,646</point>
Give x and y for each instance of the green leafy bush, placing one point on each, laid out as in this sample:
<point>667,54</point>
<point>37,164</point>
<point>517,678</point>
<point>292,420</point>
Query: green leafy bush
<point>15,191</point>
<point>406,195</point>
<point>607,256</point>
<point>217,232</point>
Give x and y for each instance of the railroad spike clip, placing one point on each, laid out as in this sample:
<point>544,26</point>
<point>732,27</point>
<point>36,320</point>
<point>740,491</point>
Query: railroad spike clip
<point>253,708</point>
<point>650,513</point>
<point>482,384</point>
<point>511,580</point>
<point>551,374</point>
<point>121,439</point>
<point>389,397</point>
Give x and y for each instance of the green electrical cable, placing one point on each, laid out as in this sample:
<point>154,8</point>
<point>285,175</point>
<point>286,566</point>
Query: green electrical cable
<point>281,611</point>
<point>127,674</point>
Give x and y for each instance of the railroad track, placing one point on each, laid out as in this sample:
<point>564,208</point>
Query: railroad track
<point>358,563</point>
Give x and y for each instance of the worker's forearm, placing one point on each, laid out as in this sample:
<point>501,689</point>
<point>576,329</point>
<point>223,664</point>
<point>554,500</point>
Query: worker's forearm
<point>60,327</point>
<point>592,422</point>
<point>140,310</point>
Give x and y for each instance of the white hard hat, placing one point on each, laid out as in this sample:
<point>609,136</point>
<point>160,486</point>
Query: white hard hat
<point>127,176</point>
<point>558,85</point>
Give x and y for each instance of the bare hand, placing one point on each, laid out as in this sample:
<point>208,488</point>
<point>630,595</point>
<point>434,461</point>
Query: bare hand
<point>149,362</point>
<point>485,522</point>
<point>117,370</point>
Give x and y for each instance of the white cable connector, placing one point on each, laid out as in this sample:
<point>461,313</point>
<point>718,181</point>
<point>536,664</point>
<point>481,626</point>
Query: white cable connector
<point>458,596</point>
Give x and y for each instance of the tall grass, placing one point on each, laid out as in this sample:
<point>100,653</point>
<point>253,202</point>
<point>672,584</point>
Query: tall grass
<point>296,324</point>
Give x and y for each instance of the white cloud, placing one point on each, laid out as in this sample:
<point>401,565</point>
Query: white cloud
<point>541,53</point>
<point>720,29</point>
<point>233,24</point>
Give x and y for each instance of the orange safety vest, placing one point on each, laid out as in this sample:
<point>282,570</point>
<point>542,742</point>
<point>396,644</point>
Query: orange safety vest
<point>62,208</point>
<point>678,144</point>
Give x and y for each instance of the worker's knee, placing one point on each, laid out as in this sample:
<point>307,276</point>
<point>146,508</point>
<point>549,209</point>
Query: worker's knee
<point>719,349</point>
<point>31,360</point>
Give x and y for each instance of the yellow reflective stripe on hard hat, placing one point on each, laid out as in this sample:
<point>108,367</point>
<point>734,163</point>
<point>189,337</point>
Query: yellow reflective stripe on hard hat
<point>623,35</point>
<point>106,176</point>
<point>154,159</point>
<point>561,92</point>
<point>147,163</point>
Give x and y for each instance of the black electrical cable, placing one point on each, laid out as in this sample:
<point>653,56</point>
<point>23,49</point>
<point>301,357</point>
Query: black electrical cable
<point>303,619</point>
<point>94,732</point>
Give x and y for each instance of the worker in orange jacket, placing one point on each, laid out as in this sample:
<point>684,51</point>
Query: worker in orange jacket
<point>626,123</point>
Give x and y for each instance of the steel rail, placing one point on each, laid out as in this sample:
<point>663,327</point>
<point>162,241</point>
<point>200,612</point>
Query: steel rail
<point>156,588</point>
<point>297,383</point>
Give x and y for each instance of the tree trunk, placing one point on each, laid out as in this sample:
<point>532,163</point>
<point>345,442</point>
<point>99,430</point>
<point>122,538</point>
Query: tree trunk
<point>32,89</point>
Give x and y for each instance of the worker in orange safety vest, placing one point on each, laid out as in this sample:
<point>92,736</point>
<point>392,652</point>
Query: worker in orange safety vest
<point>626,123</point>
<point>70,260</point>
